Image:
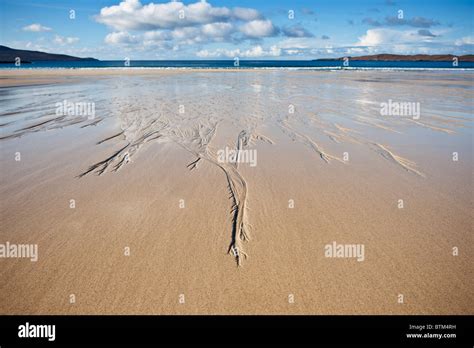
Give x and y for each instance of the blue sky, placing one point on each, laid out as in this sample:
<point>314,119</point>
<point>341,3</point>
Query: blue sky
<point>224,29</point>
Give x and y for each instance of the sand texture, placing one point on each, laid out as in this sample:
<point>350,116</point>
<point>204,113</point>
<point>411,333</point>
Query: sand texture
<point>160,224</point>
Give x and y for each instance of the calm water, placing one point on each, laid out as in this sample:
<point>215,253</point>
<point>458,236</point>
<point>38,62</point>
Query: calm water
<point>245,64</point>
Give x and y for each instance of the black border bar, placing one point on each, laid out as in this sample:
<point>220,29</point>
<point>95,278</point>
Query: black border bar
<point>358,330</point>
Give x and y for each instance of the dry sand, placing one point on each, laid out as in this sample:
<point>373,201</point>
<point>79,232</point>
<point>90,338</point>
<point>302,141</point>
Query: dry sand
<point>145,176</point>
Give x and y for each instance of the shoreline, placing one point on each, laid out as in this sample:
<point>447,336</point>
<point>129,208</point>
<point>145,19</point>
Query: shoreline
<point>307,68</point>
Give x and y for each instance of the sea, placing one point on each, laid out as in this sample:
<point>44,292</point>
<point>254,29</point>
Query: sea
<point>245,64</point>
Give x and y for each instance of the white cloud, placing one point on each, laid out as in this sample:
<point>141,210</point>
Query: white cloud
<point>35,27</point>
<point>65,40</point>
<point>214,32</point>
<point>187,33</point>
<point>177,24</point>
<point>132,15</point>
<point>375,37</point>
<point>246,14</point>
<point>217,29</point>
<point>468,40</point>
<point>120,37</point>
<point>157,35</point>
<point>387,40</point>
<point>258,28</point>
<point>384,36</point>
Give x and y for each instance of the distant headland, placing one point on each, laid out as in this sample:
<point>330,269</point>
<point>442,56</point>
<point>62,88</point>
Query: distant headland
<point>9,55</point>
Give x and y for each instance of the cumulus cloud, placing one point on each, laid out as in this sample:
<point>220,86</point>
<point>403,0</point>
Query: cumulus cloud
<point>181,24</point>
<point>258,28</point>
<point>121,37</point>
<point>186,35</point>
<point>246,14</point>
<point>401,41</point>
<point>132,15</point>
<point>217,29</point>
<point>383,36</point>
<point>214,32</point>
<point>35,27</point>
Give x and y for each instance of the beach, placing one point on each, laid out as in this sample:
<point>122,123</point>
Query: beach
<point>194,191</point>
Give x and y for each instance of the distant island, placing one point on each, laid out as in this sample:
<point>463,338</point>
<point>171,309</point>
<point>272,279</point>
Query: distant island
<point>8,55</point>
<point>409,58</point>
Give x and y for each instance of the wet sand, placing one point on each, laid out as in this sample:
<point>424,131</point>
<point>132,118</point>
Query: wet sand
<point>158,215</point>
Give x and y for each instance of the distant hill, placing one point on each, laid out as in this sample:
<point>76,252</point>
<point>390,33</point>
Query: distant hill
<point>410,58</point>
<point>8,55</point>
